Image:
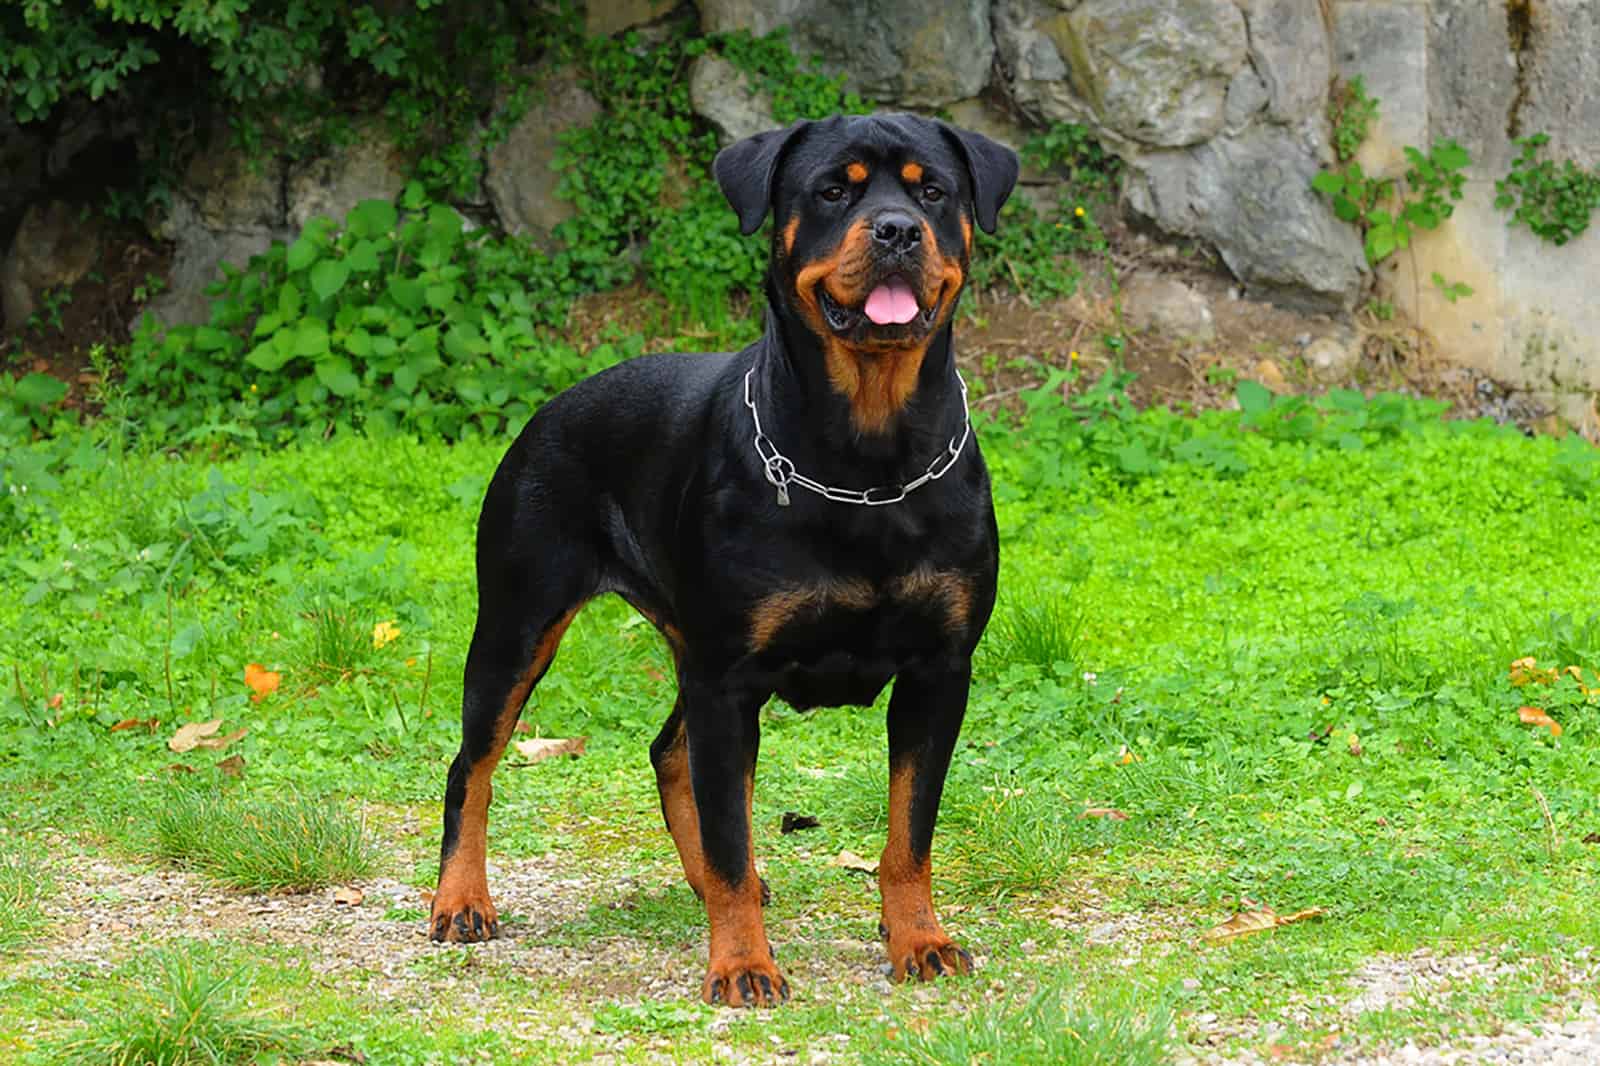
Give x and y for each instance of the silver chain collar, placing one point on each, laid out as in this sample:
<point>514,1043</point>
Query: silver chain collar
<point>781,473</point>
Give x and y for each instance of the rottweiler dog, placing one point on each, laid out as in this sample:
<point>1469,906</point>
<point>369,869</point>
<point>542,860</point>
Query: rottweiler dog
<point>808,517</point>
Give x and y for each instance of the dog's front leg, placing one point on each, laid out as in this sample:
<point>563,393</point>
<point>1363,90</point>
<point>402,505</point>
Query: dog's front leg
<point>723,726</point>
<point>925,715</point>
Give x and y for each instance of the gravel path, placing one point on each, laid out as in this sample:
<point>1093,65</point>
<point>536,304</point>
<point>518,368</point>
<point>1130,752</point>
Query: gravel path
<point>104,909</point>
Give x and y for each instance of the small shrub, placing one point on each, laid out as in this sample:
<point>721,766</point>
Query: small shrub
<point>184,1013</point>
<point>260,845</point>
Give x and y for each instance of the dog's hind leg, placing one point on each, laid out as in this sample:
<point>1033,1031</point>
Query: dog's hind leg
<point>524,607</point>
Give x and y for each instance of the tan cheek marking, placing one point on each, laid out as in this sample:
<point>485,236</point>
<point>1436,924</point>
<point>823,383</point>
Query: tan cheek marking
<point>856,172</point>
<point>789,232</point>
<point>966,232</point>
<point>911,172</point>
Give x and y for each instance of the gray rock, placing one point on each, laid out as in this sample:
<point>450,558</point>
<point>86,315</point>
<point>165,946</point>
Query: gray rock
<point>196,262</point>
<point>1561,79</point>
<point>229,191</point>
<point>55,245</point>
<point>915,53</point>
<point>521,177</point>
<point>1472,79</point>
<point>721,94</point>
<point>1036,75</point>
<point>1386,43</point>
<point>1289,48</point>
<point>602,18</point>
<point>1154,71</point>
<point>1247,97</point>
<point>1333,357</point>
<point>368,168</point>
<point>979,116</point>
<point>1166,305</point>
<point>1250,196</point>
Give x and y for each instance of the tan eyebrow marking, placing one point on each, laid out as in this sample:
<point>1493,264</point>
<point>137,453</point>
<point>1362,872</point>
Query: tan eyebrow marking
<point>856,171</point>
<point>911,172</point>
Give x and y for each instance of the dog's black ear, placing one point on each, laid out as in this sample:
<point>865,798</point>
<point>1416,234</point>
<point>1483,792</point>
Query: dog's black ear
<point>994,170</point>
<point>745,168</point>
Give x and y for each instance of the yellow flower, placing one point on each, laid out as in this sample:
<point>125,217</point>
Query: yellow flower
<point>1073,357</point>
<point>252,386</point>
<point>383,633</point>
<point>1078,211</point>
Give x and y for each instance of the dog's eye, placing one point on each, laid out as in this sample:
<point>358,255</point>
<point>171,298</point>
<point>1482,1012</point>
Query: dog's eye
<point>833,193</point>
<point>932,193</point>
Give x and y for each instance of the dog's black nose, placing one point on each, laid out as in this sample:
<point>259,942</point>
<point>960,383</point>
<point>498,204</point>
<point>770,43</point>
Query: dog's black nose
<point>896,231</point>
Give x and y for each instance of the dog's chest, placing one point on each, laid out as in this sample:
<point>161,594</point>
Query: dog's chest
<point>838,641</point>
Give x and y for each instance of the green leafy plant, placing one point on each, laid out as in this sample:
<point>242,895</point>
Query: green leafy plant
<point>27,403</point>
<point>1555,201</point>
<point>1351,113</point>
<point>1072,151</point>
<point>1390,212</point>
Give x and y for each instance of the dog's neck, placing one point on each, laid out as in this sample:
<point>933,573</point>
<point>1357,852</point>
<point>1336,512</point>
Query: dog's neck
<point>793,383</point>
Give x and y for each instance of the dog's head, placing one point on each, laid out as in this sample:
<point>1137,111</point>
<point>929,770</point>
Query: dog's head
<point>874,220</point>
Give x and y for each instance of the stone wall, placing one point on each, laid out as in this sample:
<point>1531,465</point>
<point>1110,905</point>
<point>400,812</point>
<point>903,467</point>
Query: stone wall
<point>1485,72</point>
<point>1217,107</point>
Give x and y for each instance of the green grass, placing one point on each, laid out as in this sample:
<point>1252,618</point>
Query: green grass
<point>263,843</point>
<point>25,882</point>
<point>1043,1029</point>
<point>1284,656</point>
<point>178,1009</point>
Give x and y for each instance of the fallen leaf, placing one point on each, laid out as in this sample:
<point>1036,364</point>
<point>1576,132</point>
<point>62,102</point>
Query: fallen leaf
<point>1535,716</point>
<point>218,743</point>
<point>384,633</point>
<point>538,749</point>
<point>1257,920</point>
<point>851,861</point>
<point>232,766</point>
<point>261,681</point>
<point>1105,812</point>
<point>55,701</point>
<point>1128,757</point>
<point>1355,745</point>
<point>654,674</point>
<point>349,896</point>
<point>134,723</point>
<point>793,822</point>
<point>189,735</point>
<point>1526,671</point>
<point>179,768</point>
<point>1592,838</point>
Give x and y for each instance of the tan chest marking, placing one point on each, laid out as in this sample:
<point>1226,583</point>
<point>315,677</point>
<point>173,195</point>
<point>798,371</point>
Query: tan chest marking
<point>949,592</point>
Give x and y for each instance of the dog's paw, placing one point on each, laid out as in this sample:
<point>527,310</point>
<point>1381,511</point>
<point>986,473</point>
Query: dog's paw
<point>745,983</point>
<point>464,920</point>
<point>923,956</point>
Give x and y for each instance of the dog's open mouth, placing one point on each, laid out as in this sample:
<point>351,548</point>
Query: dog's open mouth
<point>891,304</point>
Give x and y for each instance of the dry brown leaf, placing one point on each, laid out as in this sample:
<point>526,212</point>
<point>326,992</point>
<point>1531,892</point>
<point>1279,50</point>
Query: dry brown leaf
<point>261,681</point>
<point>1535,716</point>
<point>851,861</point>
<point>189,735</point>
<point>538,749</point>
<point>179,768</point>
<point>1526,671</point>
<point>218,743</point>
<point>1105,812</point>
<point>522,727</point>
<point>1257,920</point>
<point>349,896</point>
<point>232,766</point>
<point>134,723</point>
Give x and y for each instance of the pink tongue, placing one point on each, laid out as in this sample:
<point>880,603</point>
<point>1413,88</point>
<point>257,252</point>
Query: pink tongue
<point>891,302</point>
